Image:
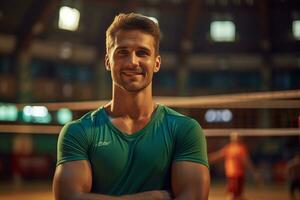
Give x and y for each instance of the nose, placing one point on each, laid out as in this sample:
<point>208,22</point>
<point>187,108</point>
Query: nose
<point>133,60</point>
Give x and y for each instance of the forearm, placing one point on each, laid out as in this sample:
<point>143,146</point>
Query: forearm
<point>215,156</point>
<point>149,195</point>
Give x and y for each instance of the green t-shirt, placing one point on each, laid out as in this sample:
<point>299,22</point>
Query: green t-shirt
<point>127,164</point>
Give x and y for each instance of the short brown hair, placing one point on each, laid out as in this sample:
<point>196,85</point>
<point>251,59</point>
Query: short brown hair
<point>132,21</point>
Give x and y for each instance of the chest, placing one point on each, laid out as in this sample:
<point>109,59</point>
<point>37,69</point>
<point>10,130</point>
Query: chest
<point>131,163</point>
<point>130,126</point>
<point>113,155</point>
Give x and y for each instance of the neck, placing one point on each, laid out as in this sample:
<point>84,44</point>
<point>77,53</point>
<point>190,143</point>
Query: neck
<point>135,105</point>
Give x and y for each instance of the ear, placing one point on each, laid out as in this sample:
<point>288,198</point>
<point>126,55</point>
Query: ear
<point>107,63</point>
<point>157,64</point>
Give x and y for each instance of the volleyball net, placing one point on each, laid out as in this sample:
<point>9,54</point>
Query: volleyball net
<point>218,114</point>
<point>269,122</point>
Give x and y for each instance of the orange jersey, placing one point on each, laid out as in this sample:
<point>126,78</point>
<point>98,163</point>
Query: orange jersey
<point>235,155</point>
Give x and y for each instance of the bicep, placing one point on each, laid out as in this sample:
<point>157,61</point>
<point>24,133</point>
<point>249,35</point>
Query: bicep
<point>72,178</point>
<point>190,180</point>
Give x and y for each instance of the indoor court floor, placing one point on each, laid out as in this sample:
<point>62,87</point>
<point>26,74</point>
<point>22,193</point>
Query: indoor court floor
<point>42,191</point>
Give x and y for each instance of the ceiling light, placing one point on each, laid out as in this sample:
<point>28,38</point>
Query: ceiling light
<point>68,18</point>
<point>296,29</point>
<point>222,31</point>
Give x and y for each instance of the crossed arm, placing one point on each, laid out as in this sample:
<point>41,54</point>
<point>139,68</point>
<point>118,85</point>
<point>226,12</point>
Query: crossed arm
<point>73,181</point>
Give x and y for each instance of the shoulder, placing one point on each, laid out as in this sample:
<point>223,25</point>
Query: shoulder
<point>243,145</point>
<point>189,139</point>
<point>177,119</point>
<point>179,124</point>
<point>82,125</point>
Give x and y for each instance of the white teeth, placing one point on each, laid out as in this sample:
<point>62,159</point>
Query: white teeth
<point>132,73</point>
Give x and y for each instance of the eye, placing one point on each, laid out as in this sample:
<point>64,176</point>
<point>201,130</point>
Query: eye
<point>122,52</point>
<point>142,53</point>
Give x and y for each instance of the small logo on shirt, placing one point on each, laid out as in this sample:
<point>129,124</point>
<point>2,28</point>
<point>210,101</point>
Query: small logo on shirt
<point>103,143</point>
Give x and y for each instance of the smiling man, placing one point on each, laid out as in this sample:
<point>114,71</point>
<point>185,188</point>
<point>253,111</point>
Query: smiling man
<point>132,148</point>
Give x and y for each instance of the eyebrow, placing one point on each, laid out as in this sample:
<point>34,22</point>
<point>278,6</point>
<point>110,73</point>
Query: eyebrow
<point>145,49</point>
<point>121,47</point>
<point>140,48</point>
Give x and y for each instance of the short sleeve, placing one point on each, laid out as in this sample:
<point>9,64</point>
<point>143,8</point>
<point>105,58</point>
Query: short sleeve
<point>190,144</point>
<point>72,144</point>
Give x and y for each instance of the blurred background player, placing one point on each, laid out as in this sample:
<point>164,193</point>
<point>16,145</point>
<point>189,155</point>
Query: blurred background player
<point>293,174</point>
<point>236,157</point>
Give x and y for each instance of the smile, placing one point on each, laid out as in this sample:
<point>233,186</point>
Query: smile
<point>131,73</point>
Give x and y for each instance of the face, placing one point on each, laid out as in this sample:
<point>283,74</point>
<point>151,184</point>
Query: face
<point>132,60</point>
<point>234,137</point>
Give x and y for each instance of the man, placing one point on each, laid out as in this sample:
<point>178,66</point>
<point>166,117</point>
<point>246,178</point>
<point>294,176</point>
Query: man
<point>132,148</point>
<point>236,160</point>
